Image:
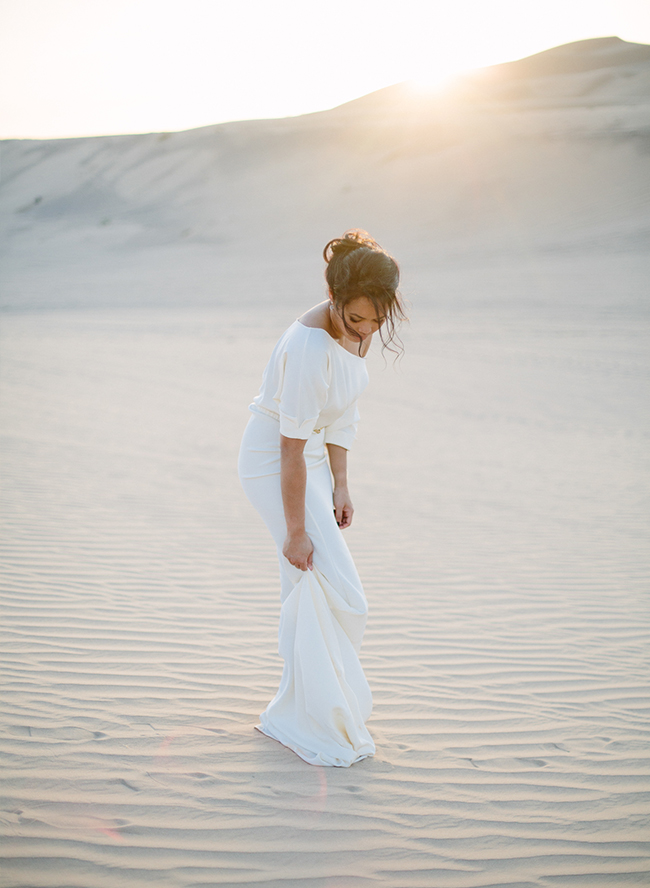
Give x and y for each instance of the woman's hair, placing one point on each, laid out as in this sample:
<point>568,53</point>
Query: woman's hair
<point>358,266</point>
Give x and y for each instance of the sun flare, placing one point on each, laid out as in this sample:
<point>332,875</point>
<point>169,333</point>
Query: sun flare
<point>437,80</point>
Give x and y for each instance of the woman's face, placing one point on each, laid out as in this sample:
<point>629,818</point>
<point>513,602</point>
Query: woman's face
<point>360,316</point>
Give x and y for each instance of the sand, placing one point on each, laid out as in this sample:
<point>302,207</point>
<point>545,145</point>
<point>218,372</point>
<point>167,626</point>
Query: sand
<point>500,481</point>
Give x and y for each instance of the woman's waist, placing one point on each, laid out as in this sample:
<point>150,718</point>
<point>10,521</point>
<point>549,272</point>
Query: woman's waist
<point>264,411</point>
<point>261,410</point>
<point>260,448</point>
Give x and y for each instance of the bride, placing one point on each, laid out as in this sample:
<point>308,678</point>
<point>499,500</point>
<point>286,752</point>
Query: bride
<point>293,468</point>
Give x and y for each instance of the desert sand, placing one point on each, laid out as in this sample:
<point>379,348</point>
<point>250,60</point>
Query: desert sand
<point>499,477</point>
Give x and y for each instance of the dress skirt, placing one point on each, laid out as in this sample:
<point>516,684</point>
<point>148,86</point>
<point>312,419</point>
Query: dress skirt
<point>323,700</point>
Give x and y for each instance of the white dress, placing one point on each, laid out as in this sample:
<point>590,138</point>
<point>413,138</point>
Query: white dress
<point>309,391</point>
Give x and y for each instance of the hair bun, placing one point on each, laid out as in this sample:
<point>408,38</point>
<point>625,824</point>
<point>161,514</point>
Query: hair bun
<point>352,240</point>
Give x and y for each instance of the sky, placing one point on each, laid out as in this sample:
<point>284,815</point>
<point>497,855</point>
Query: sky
<point>98,67</point>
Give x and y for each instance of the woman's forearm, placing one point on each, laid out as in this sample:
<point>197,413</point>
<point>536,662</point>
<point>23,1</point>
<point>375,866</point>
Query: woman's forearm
<point>339,465</point>
<point>298,548</point>
<point>293,480</point>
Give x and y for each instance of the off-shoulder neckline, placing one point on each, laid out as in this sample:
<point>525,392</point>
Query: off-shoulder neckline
<point>331,338</point>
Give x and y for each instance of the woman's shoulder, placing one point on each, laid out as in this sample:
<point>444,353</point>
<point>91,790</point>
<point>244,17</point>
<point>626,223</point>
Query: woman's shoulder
<point>306,337</point>
<point>302,347</point>
<point>298,335</point>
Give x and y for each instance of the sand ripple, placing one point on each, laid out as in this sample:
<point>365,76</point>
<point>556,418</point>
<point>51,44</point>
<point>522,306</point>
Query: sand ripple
<point>501,538</point>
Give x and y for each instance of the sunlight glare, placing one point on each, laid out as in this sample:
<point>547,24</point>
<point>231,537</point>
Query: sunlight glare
<point>437,80</point>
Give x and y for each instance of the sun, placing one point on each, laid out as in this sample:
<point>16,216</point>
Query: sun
<point>437,79</point>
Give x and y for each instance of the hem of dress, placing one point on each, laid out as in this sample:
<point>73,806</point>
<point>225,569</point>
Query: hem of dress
<point>314,757</point>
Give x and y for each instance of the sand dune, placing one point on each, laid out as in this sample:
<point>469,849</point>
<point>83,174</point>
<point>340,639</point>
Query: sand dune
<point>530,159</point>
<point>500,481</point>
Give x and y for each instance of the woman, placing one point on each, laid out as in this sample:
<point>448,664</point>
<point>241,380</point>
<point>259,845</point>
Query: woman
<point>306,412</point>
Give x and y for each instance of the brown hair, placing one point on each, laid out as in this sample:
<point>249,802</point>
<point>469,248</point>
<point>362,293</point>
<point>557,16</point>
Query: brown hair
<point>358,266</point>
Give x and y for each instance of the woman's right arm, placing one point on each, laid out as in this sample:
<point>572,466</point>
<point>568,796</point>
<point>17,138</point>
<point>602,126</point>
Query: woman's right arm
<point>297,547</point>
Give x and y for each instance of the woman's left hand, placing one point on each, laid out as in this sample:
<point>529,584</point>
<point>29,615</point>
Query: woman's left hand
<point>343,508</point>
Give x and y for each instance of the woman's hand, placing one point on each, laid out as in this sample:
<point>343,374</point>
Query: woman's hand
<point>343,508</point>
<point>298,550</point>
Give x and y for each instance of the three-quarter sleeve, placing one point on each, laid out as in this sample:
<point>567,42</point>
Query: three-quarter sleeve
<point>302,389</point>
<point>344,430</point>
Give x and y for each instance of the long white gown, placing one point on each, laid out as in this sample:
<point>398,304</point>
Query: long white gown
<point>309,391</point>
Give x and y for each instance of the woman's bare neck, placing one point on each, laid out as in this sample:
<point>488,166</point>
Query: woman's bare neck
<point>319,317</point>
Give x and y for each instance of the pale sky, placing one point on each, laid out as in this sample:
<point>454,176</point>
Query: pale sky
<point>95,67</point>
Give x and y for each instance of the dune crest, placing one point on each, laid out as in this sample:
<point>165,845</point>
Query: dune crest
<point>538,156</point>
